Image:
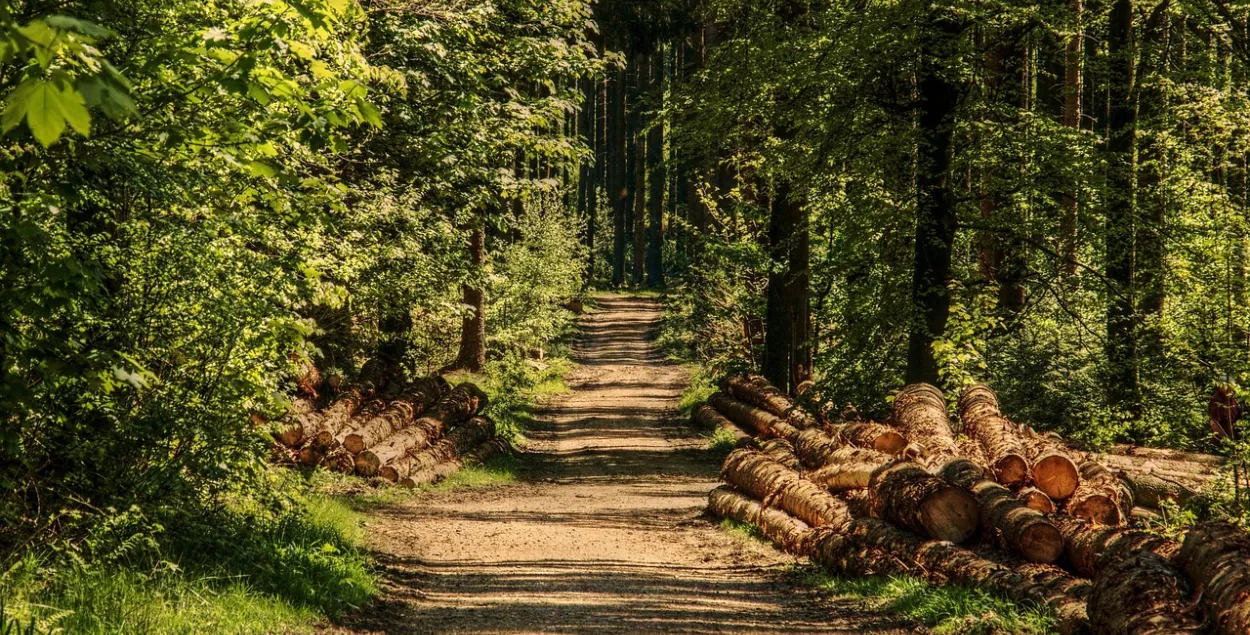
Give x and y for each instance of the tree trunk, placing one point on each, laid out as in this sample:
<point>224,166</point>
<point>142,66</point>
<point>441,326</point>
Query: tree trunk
<point>920,413</point>
<point>472,355</point>
<point>705,416</point>
<point>656,181</point>
<point>1121,346</point>
<point>482,453</point>
<point>1091,548</point>
<point>1073,60</point>
<point>379,446</point>
<point>936,220</point>
<point>978,408</point>
<point>787,356</point>
<point>641,73</point>
<point>1216,558</point>
<point>781,451</point>
<point>618,185</point>
<point>1036,499</point>
<point>396,415</point>
<point>840,469</point>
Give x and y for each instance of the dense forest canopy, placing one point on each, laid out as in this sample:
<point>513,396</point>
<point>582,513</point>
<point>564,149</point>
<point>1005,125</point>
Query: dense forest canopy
<point>205,202</point>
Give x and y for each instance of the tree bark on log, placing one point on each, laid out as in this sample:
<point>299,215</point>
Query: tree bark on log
<point>782,452</point>
<point>396,416</point>
<point>1036,499</point>
<point>756,474</point>
<point>746,416</point>
<point>884,548</point>
<point>844,468</point>
<point>1140,595</point>
<point>476,456</point>
<point>907,495</point>
<point>705,416</point>
<point>1101,497</point>
<point>786,531</point>
<point>872,436</point>
<point>334,419</point>
<point>984,422</point>
<point>920,412</point>
<point>756,390</point>
<point>1216,558</point>
<point>456,442</point>
<point>299,417</point>
<point>1150,491</point>
<point>1091,548</point>
<point>458,405</point>
<point>1004,518</point>
<point>1054,471</point>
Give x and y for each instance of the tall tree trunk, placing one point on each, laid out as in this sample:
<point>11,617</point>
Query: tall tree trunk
<point>1073,62</point>
<point>618,189</point>
<point>1122,328</point>
<point>787,355</point>
<point>600,166</point>
<point>1149,237</point>
<point>655,182</point>
<point>642,73</point>
<point>936,222</point>
<point>587,124</point>
<point>472,355</point>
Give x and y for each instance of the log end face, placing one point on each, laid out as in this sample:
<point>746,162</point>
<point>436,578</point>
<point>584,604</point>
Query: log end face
<point>1096,509</point>
<point>890,442</point>
<point>951,513</point>
<point>354,443</point>
<point>1041,542</point>
<point>1011,470</point>
<point>1056,476</point>
<point>389,473</point>
<point>367,464</point>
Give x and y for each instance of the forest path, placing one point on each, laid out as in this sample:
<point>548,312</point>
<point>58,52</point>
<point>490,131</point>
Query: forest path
<point>603,531</point>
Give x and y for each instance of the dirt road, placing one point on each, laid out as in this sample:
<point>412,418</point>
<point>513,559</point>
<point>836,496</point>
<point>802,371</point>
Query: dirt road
<point>604,532</point>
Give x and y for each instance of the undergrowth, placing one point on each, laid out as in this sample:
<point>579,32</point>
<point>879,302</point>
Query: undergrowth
<point>238,568</point>
<point>947,609</point>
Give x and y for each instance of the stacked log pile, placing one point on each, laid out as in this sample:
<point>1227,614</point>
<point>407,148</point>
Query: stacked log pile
<point>1001,506</point>
<point>409,433</point>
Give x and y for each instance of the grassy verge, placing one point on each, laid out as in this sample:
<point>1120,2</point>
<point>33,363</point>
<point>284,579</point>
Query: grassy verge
<point>946,609</point>
<point>221,571</point>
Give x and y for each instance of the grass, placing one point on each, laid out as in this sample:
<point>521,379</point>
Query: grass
<point>947,609</point>
<point>743,531</point>
<point>720,442</point>
<point>209,571</point>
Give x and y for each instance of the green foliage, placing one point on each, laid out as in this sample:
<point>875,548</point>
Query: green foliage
<point>947,609</point>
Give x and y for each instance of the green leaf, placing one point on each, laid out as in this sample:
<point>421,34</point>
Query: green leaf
<point>44,114</point>
<point>17,102</point>
<point>261,168</point>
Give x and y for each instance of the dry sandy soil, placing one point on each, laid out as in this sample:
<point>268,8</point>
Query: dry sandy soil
<point>603,532</point>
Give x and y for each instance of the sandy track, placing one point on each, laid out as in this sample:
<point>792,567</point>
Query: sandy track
<point>604,531</point>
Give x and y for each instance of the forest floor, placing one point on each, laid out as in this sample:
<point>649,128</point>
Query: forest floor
<point>603,530</point>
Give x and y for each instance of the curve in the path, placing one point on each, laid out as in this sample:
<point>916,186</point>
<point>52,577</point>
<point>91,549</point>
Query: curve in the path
<point>603,533</point>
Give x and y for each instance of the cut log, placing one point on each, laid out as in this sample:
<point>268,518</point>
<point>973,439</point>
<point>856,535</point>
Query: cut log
<point>298,417</point>
<point>1054,470</point>
<point>1005,451</point>
<point>1101,497</point>
<point>756,390</point>
<point>920,413</point>
<point>788,532</point>
<point>881,547</point>
<point>1005,519</point>
<point>782,452</point>
<point>335,419</point>
<point>1151,491</point>
<point>456,442</point>
<point>907,495</point>
<point>1164,454</point>
<point>845,468</point>
<point>1190,472</point>
<point>872,436</point>
<point>754,473</point>
<point>457,405</point>
<point>1091,548</point>
<point>706,417</point>
<point>745,416</point>
<point>1216,558</point>
<point>1034,498</point>
<point>1140,595</point>
<point>476,456</point>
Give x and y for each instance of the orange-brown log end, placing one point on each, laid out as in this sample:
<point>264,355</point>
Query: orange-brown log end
<point>1056,476</point>
<point>951,513</point>
<point>1011,470</point>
